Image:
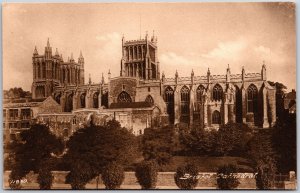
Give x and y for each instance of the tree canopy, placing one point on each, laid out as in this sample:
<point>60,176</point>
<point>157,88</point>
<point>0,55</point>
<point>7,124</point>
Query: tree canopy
<point>91,149</point>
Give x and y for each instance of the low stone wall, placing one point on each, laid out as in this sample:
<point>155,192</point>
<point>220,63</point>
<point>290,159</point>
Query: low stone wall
<point>165,181</point>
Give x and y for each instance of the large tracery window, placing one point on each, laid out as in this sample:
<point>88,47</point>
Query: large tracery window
<point>199,97</point>
<point>252,94</point>
<point>185,104</point>
<point>95,100</point>
<point>169,98</point>
<point>82,100</point>
<point>217,93</point>
<point>149,99</point>
<point>124,97</point>
<point>216,117</point>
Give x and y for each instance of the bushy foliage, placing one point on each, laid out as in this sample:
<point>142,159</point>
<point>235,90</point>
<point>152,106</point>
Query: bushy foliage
<point>45,178</point>
<point>265,177</point>
<point>91,149</point>
<point>36,146</point>
<point>113,175</point>
<point>186,177</point>
<point>146,174</point>
<point>226,178</point>
<point>158,144</point>
<point>230,139</point>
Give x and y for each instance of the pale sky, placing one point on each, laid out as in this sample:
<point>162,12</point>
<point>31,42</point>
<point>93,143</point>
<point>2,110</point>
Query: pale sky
<point>190,36</point>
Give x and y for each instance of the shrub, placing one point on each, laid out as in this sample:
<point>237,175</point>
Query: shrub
<point>265,173</point>
<point>45,179</point>
<point>226,178</point>
<point>113,176</point>
<point>186,177</point>
<point>146,174</point>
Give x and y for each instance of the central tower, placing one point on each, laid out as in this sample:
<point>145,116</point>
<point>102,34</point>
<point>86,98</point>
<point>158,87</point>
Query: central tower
<point>139,58</point>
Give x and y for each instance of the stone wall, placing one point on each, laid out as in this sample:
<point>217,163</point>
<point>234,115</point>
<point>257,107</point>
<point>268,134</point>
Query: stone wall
<point>165,181</point>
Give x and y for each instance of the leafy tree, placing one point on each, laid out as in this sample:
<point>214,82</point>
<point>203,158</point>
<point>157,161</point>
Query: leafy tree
<point>265,177</point>
<point>92,148</point>
<point>113,175</point>
<point>158,144</point>
<point>146,173</point>
<point>16,93</point>
<point>232,138</point>
<point>198,141</point>
<point>45,177</point>
<point>35,147</point>
<point>226,179</point>
<point>186,177</point>
<point>285,143</point>
<point>261,146</point>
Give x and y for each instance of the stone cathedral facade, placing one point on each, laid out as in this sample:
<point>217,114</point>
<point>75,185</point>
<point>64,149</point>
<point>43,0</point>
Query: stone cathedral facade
<point>143,97</point>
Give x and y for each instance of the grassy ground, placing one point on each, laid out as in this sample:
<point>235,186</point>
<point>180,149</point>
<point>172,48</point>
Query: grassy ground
<point>208,164</point>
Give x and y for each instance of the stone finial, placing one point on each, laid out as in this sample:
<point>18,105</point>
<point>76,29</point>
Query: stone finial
<point>192,74</point>
<point>56,52</point>
<point>48,43</point>
<point>176,74</point>
<point>263,71</point>
<point>102,79</point>
<point>90,80</point>
<point>243,73</point>
<point>109,73</point>
<point>35,52</point>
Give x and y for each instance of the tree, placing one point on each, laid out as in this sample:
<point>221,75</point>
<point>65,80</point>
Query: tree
<point>186,177</point>
<point>45,178</point>
<point>92,148</point>
<point>232,139</point>
<point>146,173</point>
<point>226,179</point>
<point>285,143</point>
<point>113,175</point>
<point>198,141</point>
<point>158,144</point>
<point>16,93</point>
<point>265,177</point>
<point>34,148</point>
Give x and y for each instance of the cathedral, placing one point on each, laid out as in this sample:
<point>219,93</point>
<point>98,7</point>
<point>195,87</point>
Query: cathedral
<point>143,97</point>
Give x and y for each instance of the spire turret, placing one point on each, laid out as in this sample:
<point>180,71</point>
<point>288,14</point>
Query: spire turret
<point>35,52</point>
<point>90,80</point>
<point>56,52</point>
<point>264,71</point>
<point>48,43</point>
<point>72,59</point>
<point>102,79</point>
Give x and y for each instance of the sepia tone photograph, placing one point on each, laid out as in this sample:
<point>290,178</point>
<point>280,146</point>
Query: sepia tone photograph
<point>146,96</point>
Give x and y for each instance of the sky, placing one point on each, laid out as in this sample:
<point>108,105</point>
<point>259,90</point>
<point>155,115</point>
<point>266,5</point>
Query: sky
<point>194,36</point>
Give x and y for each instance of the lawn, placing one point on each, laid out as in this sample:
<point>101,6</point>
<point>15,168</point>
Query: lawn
<point>208,164</point>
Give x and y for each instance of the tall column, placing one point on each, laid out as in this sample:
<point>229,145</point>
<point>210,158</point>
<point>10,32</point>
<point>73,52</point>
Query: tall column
<point>100,97</point>
<point>225,113</point>
<point>271,97</point>
<point>231,113</point>
<point>205,109</point>
<point>244,104</point>
<point>192,94</point>
<point>265,109</point>
<point>176,106</point>
<point>75,100</point>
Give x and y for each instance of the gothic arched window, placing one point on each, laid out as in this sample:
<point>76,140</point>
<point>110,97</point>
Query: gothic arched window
<point>252,95</point>
<point>95,100</point>
<point>124,97</point>
<point>199,92</point>
<point>169,98</point>
<point>69,103</point>
<point>104,99</point>
<point>217,93</point>
<point>238,105</point>
<point>82,100</point>
<point>149,99</point>
<point>216,117</point>
<point>185,104</point>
